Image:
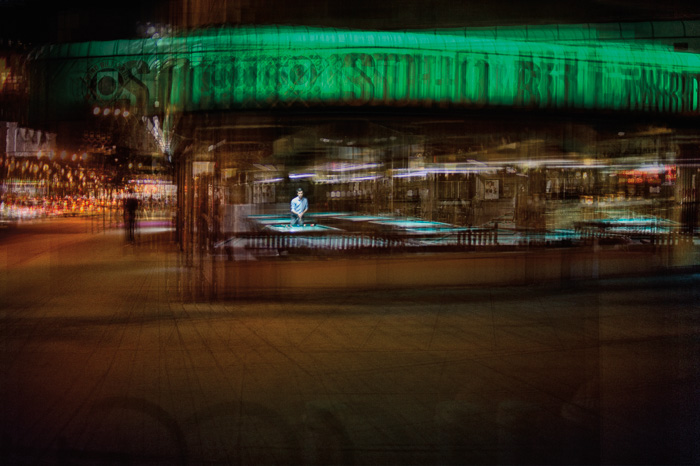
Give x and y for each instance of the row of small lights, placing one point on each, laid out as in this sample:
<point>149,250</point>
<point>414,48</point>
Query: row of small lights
<point>63,155</point>
<point>107,111</point>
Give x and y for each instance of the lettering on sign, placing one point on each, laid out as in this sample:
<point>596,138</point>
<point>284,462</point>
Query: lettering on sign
<point>190,76</point>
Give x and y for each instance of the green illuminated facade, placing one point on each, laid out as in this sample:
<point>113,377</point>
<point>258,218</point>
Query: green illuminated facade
<point>273,67</point>
<point>522,173</point>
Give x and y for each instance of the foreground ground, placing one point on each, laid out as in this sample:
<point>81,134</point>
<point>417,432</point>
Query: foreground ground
<point>107,359</point>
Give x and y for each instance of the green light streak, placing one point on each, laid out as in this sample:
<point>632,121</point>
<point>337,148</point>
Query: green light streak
<point>268,67</point>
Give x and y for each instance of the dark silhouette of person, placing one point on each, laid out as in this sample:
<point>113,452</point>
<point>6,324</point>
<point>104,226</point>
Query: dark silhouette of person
<point>131,207</point>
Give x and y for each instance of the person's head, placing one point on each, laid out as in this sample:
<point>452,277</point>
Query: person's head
<point>300,192</point>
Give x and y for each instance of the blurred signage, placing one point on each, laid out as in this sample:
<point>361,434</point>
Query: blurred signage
<point>666,174</point>
<point>202,168</point>
<point>491,189</point>
<point>4,72</point>
<point>267,67</point>
<point>13,74</point>
<point>26,142</point>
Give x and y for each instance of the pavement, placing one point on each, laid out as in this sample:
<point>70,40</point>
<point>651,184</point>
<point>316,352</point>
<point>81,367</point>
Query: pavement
<point>111,355</point>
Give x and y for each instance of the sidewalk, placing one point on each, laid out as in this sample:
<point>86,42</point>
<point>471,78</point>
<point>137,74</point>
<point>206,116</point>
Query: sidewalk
<point>106,359</point>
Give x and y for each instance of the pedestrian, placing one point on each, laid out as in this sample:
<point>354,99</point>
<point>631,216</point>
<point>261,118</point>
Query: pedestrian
<point>131,206</point>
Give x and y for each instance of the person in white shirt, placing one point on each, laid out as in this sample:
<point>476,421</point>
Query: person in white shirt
<point>299,207</point>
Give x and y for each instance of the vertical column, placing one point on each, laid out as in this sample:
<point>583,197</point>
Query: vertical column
<point>687,186</point>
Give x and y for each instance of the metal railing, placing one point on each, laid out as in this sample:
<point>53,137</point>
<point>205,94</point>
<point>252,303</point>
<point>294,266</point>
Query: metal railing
<point>363,242</point>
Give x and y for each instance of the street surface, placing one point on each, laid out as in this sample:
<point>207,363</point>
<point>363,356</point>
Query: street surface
<point>109,356</point>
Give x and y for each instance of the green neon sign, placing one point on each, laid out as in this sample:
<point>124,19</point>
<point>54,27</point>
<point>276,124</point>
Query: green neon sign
<point>268,67</point>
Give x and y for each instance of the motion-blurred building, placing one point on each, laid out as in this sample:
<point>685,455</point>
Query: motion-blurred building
<point>458,121</point>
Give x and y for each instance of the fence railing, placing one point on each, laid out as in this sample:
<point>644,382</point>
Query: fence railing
<point>469,240</point>
<point>349,242</point>
<point>668,238</point>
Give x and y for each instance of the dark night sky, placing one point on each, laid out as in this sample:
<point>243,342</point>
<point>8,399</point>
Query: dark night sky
<point>38,21</point>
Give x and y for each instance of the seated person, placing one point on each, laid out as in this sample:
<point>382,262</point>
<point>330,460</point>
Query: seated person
<point>299,206</point>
